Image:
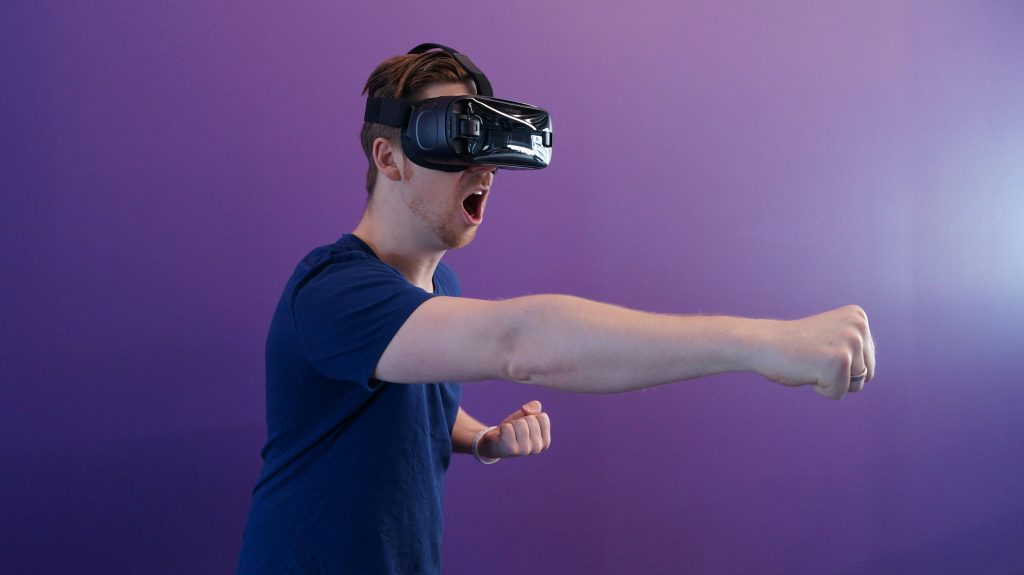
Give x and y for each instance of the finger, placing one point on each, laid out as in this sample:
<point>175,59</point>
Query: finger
<point>536,439</point>
<point>857,365</point>
<point>868,348</point>
<point>545,429</point>
<point>836,386</point>
<point>527,409</point>
<point>522,436</point>
<point>869,355</point>
<point>833,391</point>
<point>508,445</point>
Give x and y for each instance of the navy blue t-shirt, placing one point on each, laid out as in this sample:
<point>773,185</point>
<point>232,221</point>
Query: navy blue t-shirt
<point>353,467</point>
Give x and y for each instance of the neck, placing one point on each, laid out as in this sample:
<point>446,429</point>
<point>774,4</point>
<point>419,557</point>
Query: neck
<point>397,244</point>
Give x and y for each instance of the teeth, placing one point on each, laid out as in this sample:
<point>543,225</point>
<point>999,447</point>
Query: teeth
<point>478,193</point>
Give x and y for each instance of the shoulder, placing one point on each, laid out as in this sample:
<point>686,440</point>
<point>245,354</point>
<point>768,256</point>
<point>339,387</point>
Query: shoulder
<point>346,260</point>
<point>345,250</point>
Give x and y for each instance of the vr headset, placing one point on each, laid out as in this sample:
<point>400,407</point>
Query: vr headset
<point>452,133</point>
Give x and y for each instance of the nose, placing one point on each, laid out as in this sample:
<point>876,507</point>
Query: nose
<point>483,168</point>
<point>484,173</point>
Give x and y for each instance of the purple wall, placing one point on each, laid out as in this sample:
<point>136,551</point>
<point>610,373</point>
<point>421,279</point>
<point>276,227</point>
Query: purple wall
<point>165,166</point>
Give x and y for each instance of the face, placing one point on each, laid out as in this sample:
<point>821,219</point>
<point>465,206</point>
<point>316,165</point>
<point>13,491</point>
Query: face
<point>450,205</point>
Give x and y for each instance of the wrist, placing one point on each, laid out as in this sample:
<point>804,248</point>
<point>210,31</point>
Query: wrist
<point>757,339</point>
<point>764,340</point>
<point>479,446</point>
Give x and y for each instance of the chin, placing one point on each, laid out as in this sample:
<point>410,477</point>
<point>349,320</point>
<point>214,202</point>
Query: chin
<point>454,241</point>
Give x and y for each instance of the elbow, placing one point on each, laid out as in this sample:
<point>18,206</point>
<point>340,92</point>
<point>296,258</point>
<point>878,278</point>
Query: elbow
<point>533,353</point>
<point>521,354</point>
<point>516,371</point>
<point>516,366</point>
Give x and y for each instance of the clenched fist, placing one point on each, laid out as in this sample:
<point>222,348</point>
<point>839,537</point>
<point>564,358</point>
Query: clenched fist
<point>823,350</point>
<point>527,431</point>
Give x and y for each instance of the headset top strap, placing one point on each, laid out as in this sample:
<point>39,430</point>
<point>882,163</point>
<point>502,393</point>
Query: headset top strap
<point>483,85</point>
<point>396,113</point>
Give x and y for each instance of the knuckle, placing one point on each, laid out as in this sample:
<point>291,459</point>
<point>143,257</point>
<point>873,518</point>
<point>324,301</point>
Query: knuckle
<point>834,391</point>
<point>858,311</point>
<point>840,362</point>
<point>856,341</point>
<point>860,324</point>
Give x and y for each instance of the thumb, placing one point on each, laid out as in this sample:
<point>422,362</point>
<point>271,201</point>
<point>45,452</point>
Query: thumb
<point>531,408</point>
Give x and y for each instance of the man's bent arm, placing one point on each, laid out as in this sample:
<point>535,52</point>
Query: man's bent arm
<point>465,429</point>
<point>527,431</point>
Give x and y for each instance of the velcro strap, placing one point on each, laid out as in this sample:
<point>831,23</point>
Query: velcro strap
<point>386,111</point>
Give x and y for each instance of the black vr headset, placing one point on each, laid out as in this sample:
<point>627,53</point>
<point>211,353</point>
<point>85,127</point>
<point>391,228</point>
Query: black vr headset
<point>452,133</point>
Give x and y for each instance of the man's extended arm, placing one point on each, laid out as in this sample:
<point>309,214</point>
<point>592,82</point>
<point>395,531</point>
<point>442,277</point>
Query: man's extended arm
<point>578,345</point>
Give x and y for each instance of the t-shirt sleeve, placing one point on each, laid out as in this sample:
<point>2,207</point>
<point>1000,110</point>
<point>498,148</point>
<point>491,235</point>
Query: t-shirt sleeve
<point>348,313</point>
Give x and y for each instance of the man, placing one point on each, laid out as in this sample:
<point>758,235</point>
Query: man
<point>360,431</point>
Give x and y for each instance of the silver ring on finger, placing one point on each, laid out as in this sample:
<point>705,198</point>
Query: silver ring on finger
<point>859,377</point>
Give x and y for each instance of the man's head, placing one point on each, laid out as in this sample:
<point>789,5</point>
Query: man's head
<point>405,78</point>
<point>442,208</point>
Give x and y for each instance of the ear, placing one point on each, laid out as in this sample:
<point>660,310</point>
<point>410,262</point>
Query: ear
<point>385,156</point>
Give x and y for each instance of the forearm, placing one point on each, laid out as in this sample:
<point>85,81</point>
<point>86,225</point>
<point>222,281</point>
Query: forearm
<point>463,432</point>
<point>584,346</point>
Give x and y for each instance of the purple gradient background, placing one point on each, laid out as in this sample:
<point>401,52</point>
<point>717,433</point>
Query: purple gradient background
<point>166,165</point>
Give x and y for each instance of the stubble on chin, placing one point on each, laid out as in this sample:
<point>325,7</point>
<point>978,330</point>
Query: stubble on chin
<point>445,226</point>
<point>448,229</point>
<point>458,239</point>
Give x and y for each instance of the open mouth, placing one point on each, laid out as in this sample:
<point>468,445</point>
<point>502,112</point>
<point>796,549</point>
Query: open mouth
<point>474,205</point>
